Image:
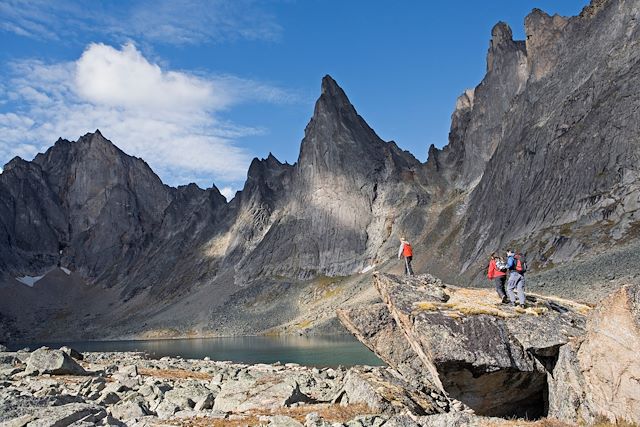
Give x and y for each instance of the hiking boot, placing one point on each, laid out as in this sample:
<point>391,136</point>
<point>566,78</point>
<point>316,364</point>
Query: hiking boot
<point>522,306</point>
<point>505,300</point>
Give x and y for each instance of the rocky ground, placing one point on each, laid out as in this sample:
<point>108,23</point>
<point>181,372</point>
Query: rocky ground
<point>590,278</point>
<point>50,387</point>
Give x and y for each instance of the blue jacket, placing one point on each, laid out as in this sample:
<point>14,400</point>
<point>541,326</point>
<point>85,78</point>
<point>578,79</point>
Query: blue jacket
<point>511,263</point>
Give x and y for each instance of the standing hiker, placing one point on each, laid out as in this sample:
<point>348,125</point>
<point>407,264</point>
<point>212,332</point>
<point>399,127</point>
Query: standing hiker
<point>407,252</point>
<point>517,266</point>
<point>497,273</point>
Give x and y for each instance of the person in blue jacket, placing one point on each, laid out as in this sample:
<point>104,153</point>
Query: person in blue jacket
<point>516,279</point>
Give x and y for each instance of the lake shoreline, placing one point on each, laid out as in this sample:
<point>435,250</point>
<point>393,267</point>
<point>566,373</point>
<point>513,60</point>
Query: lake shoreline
<point>321,351</point>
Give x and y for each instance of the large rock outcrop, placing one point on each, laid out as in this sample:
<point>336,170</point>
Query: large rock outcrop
<point>556,357</point>
<point>493,358</point>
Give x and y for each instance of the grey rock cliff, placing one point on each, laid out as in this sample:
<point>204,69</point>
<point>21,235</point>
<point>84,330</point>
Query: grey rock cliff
<point>542,156</point>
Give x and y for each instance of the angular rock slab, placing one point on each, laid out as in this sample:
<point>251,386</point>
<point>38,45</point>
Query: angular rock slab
<point>599,374</point>
<point>495,363</point>
<point>265,392</point>
<point>383,392</point>
<point>55,362</point>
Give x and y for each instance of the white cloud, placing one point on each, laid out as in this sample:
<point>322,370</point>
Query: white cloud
<point>228,192</point>
<point>169,118</point>
<point>167,21</point>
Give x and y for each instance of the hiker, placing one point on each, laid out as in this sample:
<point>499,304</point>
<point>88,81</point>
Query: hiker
<point>517,266</point>
<point>498,274</point>
<point>407,252</point>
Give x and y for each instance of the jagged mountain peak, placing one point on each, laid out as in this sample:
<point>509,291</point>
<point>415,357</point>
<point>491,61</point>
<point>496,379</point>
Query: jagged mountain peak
<point>501,33</point>
<point>16,161</point>
<point>333,103</point>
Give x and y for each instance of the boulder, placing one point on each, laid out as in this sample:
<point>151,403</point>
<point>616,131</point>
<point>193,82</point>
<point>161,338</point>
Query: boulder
<point>129,408</point>
<point>375,328</point>
<point>205,402</point>
<point>166,409</point>
<point>72,352</point>
<point>492,358</point>
<point>598,374</point>
<point>384,392</point>
<point>62,415</point>
<point>55,362</point>
<point>3,348</point>
<point>283,421</point>
<point>266,392</point>
<point>187,395</point>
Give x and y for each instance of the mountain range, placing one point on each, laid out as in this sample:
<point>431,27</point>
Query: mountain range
<point>542,157</point>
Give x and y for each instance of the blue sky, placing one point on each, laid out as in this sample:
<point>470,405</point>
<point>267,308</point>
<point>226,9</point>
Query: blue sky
<point>198,88</point>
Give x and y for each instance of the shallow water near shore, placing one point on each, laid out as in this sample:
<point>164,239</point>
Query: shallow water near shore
<point>321,351</point>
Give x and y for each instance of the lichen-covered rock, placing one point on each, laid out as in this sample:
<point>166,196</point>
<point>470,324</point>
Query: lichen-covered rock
<point>56,362</point>
<point>598,374</point>
<point>384,392</point>
<point>243,395</point>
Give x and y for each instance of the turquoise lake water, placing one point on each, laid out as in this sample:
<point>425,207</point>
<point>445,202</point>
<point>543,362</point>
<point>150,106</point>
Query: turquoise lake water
<point>318,351</point>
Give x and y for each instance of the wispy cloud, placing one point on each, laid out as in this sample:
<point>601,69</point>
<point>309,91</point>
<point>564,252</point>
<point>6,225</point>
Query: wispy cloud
<point>166,21</point>
<point>170,118</point>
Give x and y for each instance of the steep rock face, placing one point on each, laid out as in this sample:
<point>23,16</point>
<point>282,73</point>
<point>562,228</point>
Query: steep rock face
<point>32,222</point>
<point>112,201</point>
<point>348,191</point>
<point>597,374</point>
<point>475,123</point>
<point>88,206</point>
<point>564,177</point>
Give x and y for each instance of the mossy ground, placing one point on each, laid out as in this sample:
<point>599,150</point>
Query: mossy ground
<point>473,301</point>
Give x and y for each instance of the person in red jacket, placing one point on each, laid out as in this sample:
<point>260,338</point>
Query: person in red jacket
<point>497,272</point>
<point>407,252</point>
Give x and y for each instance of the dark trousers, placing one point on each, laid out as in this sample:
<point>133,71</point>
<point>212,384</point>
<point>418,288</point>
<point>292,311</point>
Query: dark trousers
<point>500,282</point>
<point>407,266</point>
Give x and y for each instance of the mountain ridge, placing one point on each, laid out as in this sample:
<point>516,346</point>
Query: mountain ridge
<point>289,247</point>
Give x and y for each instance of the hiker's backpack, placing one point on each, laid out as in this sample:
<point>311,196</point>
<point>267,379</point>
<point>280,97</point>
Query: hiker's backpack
<point>521,263</point>
<point>407,250</point>
<point>501,265</point>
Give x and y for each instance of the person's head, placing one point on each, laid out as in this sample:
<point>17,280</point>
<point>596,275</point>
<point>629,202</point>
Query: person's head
<point>510,253</point>
<point>494,255</point>
<point>403,239</point>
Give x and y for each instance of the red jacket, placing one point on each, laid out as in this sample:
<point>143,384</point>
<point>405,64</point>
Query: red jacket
<point>493,272</point>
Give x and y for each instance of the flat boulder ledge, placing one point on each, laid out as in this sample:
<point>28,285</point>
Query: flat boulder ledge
<point>483,355</point>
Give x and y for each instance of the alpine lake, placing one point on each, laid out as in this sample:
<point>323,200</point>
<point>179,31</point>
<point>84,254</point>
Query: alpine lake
<point>319,351</point>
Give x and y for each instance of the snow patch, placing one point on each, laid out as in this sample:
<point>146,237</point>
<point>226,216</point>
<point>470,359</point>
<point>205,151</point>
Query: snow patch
<point>368,268</point>
<point>66,270</point>
<point>29,280</point>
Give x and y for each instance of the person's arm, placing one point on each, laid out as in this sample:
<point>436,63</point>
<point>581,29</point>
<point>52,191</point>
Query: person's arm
<point>400,250</point>
<point>492,268</point>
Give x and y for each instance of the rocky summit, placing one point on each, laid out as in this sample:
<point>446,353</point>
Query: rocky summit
<point>542,157</point>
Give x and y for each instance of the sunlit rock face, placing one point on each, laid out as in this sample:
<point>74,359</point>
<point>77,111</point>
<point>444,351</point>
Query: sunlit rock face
<point>346,183</point>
